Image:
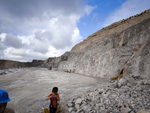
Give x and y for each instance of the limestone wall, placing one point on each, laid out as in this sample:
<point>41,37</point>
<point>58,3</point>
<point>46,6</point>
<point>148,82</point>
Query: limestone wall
<point>129,49</point>
<point>7,64</point>
<point>111,29</point>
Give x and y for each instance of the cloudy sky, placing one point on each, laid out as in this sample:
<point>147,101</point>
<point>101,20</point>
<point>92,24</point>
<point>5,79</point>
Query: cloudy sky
<point>38,29</point>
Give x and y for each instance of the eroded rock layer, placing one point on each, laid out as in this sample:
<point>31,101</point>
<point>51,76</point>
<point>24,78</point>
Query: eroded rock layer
<point>7,64</point>
<point>121,47</point>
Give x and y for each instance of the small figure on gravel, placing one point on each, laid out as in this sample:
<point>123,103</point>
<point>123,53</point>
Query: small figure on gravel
<point>54,98</point>
<point>4,98</point>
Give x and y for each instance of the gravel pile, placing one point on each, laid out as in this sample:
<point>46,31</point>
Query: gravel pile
<point>130,95</point>
<point>8,71</point>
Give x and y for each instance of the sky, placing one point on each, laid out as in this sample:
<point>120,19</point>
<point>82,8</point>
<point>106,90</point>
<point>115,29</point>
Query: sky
<point>39,29</point>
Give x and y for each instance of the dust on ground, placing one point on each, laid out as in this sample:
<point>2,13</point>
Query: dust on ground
<point>29,87</point>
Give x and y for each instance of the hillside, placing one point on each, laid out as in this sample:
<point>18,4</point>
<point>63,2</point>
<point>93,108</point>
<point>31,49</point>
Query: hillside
<point>111,29</point>
<point>7,64</point>
<point>121,47</point>
<point>120,53</point>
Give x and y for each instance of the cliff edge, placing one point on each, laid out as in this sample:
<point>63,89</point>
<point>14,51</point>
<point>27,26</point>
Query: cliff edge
<point>121,48</point>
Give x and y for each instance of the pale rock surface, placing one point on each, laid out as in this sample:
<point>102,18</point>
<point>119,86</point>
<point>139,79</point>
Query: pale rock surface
<point>78,101</point>
<point>129,98</point>
<point>123,45</point>
<point>143,111</point>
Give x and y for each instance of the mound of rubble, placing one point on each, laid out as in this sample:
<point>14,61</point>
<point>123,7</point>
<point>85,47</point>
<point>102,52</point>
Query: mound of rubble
<point>126,95</point>
<point>8,71</point>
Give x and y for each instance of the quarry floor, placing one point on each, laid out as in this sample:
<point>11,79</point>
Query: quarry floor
<point>28,88</point>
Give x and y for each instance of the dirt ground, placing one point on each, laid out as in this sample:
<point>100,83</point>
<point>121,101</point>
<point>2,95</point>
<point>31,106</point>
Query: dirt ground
<point>29,87</point>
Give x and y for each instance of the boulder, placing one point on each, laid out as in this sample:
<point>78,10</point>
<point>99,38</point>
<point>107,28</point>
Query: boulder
<point>125,110</point>
<point>78,101</point>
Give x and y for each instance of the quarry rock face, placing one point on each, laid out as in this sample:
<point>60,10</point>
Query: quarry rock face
<point>121,53</point>
<point>122,46</point>
<point>53,62</point>
<point>6,64</point>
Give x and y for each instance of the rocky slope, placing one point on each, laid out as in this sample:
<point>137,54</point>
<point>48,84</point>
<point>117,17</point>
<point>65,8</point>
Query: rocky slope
<point>121,53</point>
<point>109,30</point>
<point>6,64</point>
<point>121,47</point>
<point>123,96</point>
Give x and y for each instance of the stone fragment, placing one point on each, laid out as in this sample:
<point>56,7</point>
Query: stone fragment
<point>139,98</point>
<point>138,88</point>
<point>146,82</point>
<point>70,109</point>
<point>86,108</point>
<point>136,76</point>
<point>70,104</point>
<point>125,110</point>
<point>78,101</point>
<point>143,111</point>
<point>77,106</point>
<point>73,112</point>
<point>122,82</point>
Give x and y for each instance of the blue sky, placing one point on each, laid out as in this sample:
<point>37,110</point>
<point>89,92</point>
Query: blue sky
<point>104,9</point>
<point>94,22</point>
<point>37,29</point>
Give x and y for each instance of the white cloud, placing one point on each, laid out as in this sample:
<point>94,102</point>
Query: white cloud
<point>42,44</point>
<point>13,41</point>
<point>39,46</point>
<point>88,9</point>
<point>39,29</point>
<point>129,8</point>
<point>10,53</point>
<point>2,36</point>
<point>23,54</point>
<point>23,17</point>
<point>76,36</point>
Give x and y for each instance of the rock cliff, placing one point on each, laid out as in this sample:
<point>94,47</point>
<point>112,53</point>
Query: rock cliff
<point>123,47</point>
<point>120,52</point>
<point>6,64</point>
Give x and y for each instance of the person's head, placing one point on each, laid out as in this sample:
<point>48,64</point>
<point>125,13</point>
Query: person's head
<point>4,98</point>
<point>55,89</point>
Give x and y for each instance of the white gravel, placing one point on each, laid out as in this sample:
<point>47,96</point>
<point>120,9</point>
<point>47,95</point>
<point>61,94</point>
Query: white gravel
<point>29,87</point>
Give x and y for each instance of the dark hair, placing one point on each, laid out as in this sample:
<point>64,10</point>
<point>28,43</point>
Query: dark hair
<point>55,89</point>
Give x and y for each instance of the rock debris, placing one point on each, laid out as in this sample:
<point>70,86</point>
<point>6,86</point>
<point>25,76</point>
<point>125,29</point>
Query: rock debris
<point>122,96</point>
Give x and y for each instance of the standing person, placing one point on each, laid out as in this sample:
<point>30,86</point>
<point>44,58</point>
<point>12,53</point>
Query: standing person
<point>4,98</point>
<point>54,98</point>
